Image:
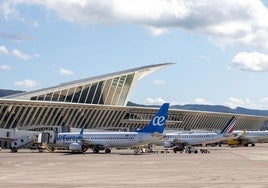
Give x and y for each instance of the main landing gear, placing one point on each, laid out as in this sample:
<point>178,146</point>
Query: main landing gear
<point>97,150</point>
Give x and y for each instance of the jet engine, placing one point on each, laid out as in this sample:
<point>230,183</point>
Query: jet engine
<point>168,144</point>
<point>77,147</point>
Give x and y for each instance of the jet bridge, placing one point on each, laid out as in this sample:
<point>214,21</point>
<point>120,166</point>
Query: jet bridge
<point>17,138</point>
<point>21,142</point>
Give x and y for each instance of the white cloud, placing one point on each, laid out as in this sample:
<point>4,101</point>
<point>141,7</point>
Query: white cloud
<point>3,50</point>
<point>253,61</point>
<point>7,10</point>
<point>27,83</point>
<point>17,53</point>
<point>263,103</point>
<point>233,102</point>
<point>66,72</point>
<point>156,101</point>
<point>142,12</point>
<point>159,82</point>
<point>156,31</point>
<point>5,67</point>
<point>228,21</point>
<point>201,101</point>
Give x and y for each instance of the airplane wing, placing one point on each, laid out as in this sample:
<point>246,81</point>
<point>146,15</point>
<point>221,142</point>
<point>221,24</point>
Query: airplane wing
<point>88,142</point>
<point>251,140</point>
<point>91,143</point>
<point>178,141</point>
<point>158,135</point>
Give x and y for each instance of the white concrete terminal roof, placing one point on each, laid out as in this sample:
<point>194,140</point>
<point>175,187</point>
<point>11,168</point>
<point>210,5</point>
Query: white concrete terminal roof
<point>25,114</point>
<point>100,102</point>
<point>108,89</point>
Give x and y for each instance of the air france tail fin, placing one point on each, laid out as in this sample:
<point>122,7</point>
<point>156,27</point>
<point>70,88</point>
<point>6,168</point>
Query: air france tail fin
<point>229,126</point>
<point>158,123</point>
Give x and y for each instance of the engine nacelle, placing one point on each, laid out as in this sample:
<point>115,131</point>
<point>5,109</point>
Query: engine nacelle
<point>168,144</point>
<point>78,147</point>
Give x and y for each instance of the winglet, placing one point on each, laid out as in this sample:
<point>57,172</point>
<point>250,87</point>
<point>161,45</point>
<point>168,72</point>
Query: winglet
<point>81,131</point>
<point>243,134</point>
<point>158,123</point>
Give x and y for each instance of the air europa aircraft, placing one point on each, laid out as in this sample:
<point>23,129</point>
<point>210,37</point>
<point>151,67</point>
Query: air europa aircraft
<point>150,134</point>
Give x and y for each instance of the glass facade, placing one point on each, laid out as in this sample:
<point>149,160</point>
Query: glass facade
<point>113,91</point>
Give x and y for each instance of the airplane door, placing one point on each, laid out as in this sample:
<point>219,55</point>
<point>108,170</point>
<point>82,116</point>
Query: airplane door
<point>45,137</point>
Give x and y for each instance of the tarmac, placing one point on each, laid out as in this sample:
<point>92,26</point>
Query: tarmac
<point>222,167</point>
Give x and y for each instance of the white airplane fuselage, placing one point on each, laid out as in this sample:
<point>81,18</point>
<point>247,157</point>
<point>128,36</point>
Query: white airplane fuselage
<point>253,136</point>
<point>109,139</point>
<point>194,138</point>
<point>150,134</point>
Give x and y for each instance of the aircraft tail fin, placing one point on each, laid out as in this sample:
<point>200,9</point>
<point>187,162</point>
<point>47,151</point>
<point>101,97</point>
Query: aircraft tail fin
<point>158,123</point>
<point>229,126</point>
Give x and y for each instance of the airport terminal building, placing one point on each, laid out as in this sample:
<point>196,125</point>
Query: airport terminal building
<point>100,103</point>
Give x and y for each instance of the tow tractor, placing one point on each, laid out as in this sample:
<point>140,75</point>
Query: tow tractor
<point>179,148</point>
<point>190,149</point>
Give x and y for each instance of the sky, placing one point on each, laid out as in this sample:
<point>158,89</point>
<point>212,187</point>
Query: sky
<point>220,47</point>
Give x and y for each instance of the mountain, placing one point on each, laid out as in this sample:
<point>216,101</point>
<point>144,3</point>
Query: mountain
<point>197,107</point>
<point>252,112</point>
<point>202,107</point>
<point>5,92</point>
<point>213,108</point>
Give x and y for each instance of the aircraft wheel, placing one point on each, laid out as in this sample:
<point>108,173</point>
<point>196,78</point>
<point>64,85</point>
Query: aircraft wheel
<point>84,148</point>
<point>96,150</point>
<point>107,150</point>
<point>14,150</point>
<point>40,150</point>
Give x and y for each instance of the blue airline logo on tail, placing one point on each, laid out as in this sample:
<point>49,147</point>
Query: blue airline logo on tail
<point>158,123</point>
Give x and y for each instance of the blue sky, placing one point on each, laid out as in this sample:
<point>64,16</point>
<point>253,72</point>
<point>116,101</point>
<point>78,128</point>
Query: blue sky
<point>220,47</point>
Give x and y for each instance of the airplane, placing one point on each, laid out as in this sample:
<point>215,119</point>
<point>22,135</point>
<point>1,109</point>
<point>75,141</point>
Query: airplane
<point>179,140</point>
<point>244,138</point>
<point>150,134</point>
